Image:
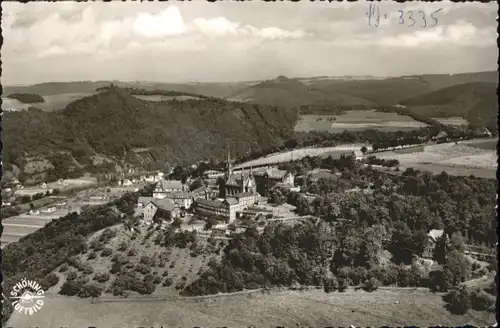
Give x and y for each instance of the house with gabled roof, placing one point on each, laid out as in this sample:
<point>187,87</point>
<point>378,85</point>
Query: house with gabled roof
<point>167,186</point>
<point>160,209</point>
<point>224,208</point>
<point>143,201</point>
<point>432,238</point>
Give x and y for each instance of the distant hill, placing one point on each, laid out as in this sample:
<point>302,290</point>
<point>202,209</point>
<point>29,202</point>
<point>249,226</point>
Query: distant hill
<point>477,102</point>
<point>286,92</point>
<point>343,91</point>
<point>27,98</point>
<point>214,89</point>
<point>390,91</point>
<point>440,81</point>
<point>114,124</point>
<point>381,92</point>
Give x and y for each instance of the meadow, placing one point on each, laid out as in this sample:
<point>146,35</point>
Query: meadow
<point>163,98</point>
<point>455,120</point>
<point>357,121</point>
<point>473,157</point>
<point>288,308</point>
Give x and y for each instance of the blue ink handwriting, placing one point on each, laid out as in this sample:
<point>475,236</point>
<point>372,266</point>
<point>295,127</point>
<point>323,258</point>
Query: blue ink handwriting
<point>410,18</point>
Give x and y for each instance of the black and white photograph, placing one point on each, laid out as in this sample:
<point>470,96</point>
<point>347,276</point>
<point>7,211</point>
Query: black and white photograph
<point>223,163</point>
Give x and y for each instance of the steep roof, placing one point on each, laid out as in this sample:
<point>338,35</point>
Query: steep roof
<point>434,234</point>
<point>243,194</point>
<point>170,184</point>
<point>232,181</point>
<point>164,204</point>
<point>179,195</point>
<point>145,200</point>
<point>211,203</point>
<point>231,201</point>
<point>199,190</point>
<point>276,174</point>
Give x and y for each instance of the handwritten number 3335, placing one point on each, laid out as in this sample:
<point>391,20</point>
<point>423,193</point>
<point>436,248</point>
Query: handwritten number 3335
<point>420,14</point>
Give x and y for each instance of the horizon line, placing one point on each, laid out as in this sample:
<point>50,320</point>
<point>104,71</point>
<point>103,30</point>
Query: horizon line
<point>365,77</point>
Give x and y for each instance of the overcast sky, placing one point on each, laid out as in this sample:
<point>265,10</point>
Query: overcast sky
<point>230,41</point>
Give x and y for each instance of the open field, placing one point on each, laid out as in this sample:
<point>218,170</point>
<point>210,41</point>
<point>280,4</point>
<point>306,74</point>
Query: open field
<point>456,159</point>
<point>164,98</point>
<point>289,309</point>
<point>52,102</point>
<point>489,145</point>
<point>13,104</point>
<point>64,185</point>
<point>18,226</point>
<point>300,153</point>
<point>451,120</point>
<point>357,120</point>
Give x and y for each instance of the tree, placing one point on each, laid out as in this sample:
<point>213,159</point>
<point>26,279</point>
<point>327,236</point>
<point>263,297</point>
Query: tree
<point>458,301</point>
<point>401,245</point>
<point>330,284</point>
<point>364,150</point>
<point>342,284</point>
<point>177,223</point>
<point>440,250</point>
<point>32,206</point>
<point>196,184</point>
<point>482,301</point>
<point>371,285</point>
<point>457,242</point>
<point>276,197</point>
<point>211,221</point>
<point>458,266</point>
<point>302,206</point>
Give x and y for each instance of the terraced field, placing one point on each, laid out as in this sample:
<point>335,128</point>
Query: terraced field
<point>464,158</point>
<point>356,121</point>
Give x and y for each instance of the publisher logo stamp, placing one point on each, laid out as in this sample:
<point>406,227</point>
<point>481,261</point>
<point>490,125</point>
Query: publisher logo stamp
<point>28,297</point>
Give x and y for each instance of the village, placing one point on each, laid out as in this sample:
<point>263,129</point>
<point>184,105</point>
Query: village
<point>223,205</point>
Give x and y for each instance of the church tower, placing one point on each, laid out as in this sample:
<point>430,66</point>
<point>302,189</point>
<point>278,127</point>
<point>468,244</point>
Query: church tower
<point>228,162</point>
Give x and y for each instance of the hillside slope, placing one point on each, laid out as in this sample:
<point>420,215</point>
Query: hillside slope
<point>115,124</point>
<point>392,90</point>
<point>286,92</point>
<point>477,102</point>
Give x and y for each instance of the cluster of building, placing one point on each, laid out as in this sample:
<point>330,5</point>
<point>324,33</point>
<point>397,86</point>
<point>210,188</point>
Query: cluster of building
<point>226,199</point>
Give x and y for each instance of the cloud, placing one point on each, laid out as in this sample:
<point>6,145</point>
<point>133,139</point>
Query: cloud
<point>85,40</point>
<point>167,23</point>
<point>216,26</point>
<point>274,33</point>
<point>221,26</point>
<point>87,29</point>
<point>460,34</point>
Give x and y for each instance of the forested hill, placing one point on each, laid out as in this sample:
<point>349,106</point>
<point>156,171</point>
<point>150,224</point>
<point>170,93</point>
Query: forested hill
<point>477,102</point>
<point>118,125</point>
<point>286,92</point>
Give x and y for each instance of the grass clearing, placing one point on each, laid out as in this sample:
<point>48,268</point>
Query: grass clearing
<point>289,308</point>
<point>456,159</point>
<point>488,145</point>
<point>356,121</point>
<point>455,120</point>
<point>164,98</point>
